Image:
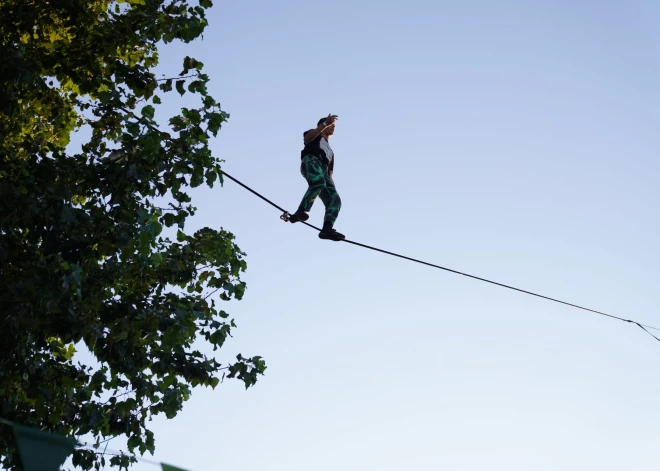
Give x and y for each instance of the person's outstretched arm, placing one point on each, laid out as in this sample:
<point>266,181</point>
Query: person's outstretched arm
<point>314,133</point>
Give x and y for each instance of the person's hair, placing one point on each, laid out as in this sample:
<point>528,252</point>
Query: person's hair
<point>321,121</point>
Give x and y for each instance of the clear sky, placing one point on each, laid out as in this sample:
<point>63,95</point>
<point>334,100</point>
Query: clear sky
<point>513,140</point>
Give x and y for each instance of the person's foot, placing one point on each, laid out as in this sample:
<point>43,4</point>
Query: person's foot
<point>298,216</point>
<point>331,234</point>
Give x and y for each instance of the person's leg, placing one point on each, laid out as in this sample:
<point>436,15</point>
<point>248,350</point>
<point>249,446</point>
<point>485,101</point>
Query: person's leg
<point>312,171</point>
<point>332,203</point>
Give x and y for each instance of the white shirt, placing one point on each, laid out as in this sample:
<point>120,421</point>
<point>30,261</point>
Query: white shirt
<point>325,147</point>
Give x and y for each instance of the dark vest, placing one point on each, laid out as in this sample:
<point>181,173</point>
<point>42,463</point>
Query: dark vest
<point>315,148</point>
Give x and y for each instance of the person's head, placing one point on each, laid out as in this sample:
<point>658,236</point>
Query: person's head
<point>330,130</point>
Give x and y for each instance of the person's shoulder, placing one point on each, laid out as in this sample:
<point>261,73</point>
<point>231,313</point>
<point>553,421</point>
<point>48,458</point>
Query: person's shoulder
<point>307,132</point>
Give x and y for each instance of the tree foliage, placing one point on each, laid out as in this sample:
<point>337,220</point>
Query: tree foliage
<point>83,254</point>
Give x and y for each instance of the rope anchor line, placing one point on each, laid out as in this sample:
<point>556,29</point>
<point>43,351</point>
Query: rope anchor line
<point>286,216</point>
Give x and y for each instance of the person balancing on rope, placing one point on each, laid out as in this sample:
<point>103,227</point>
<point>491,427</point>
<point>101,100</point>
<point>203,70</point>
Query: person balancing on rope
<point>317,165</point>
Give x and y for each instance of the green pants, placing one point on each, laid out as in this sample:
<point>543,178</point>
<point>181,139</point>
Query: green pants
<point>320,184</point>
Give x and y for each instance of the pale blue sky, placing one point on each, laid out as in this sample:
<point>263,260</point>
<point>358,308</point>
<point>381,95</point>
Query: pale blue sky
<point>513,140</point>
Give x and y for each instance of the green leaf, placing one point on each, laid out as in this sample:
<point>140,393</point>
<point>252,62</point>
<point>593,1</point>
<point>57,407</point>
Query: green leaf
<point>150,442</point>
<point>148,111</point>
<point>211,176</point>
<point>215,120</point>
<point>179,87</point>
<point>169,219</point>
<point>133,442</point>
<point>156,228</point>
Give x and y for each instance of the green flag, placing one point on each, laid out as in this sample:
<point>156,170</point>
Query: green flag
<point>42,451</point>
<point>167,467</point>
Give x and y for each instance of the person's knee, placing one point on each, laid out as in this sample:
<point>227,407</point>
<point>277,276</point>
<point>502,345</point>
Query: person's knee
<point>316,187</point>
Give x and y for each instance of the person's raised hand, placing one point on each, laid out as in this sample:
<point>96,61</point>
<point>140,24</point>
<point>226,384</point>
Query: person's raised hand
<point>330,120</point>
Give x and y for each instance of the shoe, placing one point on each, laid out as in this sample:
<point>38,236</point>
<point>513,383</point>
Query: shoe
<point>301,216</point>
<point>331,234</point>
